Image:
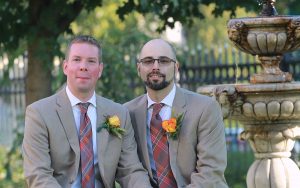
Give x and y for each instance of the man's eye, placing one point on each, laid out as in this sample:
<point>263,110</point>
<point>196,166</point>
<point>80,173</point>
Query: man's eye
<point>148,61</point>
<point>164,60</point>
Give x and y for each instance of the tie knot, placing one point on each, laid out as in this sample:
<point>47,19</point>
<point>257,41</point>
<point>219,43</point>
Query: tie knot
<point>156,108</point>
<point>84,107</point>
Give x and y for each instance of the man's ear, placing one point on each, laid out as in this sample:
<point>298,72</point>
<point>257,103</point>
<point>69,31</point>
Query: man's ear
<point>177,66</point>
<point>101,69</point>
<point>138,69</point>
<point>64,66</point>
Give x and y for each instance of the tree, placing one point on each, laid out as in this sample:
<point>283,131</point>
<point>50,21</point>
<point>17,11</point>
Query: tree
<point>37,24</point>
<point>185,11</point>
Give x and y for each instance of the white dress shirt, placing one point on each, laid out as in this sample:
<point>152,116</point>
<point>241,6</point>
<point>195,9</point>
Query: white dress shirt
<point>92,113</point>
<point>165,114</point>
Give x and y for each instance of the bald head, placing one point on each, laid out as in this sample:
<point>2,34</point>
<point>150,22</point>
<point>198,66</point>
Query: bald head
<point>157,48</point>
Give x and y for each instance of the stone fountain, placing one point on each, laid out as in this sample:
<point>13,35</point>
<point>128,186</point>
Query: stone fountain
<point>268,107</point>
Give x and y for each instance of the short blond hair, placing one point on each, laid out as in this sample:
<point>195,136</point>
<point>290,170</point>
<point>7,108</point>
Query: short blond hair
<point>84,39</point>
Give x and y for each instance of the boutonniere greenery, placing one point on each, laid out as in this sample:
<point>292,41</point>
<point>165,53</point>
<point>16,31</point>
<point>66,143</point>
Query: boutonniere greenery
<point>172,126</point>
<point>112,125</point>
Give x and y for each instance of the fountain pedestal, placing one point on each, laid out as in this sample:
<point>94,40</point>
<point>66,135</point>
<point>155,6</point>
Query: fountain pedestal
<point>270,114</point>
<point>272,167</point>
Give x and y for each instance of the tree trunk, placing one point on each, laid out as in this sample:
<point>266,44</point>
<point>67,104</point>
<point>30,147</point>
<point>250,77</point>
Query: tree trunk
<point>38,79</point>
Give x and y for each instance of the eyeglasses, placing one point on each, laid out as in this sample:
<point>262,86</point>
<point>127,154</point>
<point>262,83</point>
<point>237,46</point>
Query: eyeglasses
<point>162,61</point>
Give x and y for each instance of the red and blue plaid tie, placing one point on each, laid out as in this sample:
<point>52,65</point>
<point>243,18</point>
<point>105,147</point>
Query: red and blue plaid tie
<point>161,150</point>
<point>86,148</point>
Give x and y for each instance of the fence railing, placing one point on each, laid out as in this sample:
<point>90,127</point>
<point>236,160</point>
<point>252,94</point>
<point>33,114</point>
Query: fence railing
<point>12,97</point>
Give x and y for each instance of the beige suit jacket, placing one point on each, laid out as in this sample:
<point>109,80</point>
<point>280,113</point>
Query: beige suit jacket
<point>51,147</point>
<point>198,157</point>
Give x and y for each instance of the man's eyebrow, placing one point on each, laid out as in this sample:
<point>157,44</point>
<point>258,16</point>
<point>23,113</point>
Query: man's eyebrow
<point>75,56</point>
<point>147,57</point>
<point>92,58</point>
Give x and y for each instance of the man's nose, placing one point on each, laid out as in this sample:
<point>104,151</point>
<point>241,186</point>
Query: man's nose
<point>156,64</point>
<point>83,66</point>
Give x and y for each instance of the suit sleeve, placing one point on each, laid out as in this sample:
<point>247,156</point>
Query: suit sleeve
<point>130,171</point>
<point>35,150</point>
<point>211,149</point>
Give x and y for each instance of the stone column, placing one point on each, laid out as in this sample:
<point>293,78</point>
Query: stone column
<point>272,168</point>
<point>270,114</point>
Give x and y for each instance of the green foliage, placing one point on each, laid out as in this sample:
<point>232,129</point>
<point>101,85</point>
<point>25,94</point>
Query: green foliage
<point>211,32</point>
<point>164,10</point>
<point>13,21</point>
<point>11,171</point>
<point>238,163</point>
<point>183,11</point>
<point>30,19</point>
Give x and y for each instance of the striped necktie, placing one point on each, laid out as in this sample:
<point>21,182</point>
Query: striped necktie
<point>86,148</point>
<point>161,150</point>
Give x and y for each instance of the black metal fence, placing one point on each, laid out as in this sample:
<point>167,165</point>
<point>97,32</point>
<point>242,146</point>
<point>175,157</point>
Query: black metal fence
<point>12,97</point>
<point>227,66</point>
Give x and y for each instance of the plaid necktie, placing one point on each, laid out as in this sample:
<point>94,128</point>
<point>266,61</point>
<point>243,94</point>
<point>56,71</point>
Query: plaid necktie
<point>86,148</point>
<point>161,150</point>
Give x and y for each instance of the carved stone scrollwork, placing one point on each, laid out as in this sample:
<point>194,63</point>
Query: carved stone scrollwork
<point>272,110</point>
<point>237,33</point>
<point>293,33</point>
<point>229,100</point>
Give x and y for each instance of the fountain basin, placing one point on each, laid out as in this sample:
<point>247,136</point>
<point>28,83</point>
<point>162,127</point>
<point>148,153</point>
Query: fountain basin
<point>269,38</point>
<point>260,106</point>
<point>265,36</point>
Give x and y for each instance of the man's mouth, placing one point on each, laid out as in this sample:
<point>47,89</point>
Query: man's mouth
<point>83,77</point>
<point>155,75</point>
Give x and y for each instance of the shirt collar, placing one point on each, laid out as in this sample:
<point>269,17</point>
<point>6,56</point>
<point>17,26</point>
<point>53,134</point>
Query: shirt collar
<point>167,101</point>
<point>74,100</point>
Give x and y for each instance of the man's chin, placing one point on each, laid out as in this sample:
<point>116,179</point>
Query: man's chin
<point>84,89</point>
<point>156,80</point>
<point>157,85</point>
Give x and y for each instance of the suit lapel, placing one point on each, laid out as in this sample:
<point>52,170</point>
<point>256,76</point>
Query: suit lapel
<point>141,127</point>
<point>178,107</point>
<point>64,111</point>
<point>102,136</point>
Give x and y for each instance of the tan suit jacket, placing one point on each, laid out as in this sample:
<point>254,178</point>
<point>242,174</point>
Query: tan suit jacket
<point>198,157</point>
<point>51,147</point>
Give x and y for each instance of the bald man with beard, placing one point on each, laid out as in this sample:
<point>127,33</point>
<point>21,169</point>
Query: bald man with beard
<point>197,156</point>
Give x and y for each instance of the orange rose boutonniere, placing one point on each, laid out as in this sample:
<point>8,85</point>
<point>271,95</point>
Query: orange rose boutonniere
<point>112,124</point>
<point>172,126</point>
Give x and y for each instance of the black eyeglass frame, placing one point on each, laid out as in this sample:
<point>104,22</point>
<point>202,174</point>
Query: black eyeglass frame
<point>159,59</point>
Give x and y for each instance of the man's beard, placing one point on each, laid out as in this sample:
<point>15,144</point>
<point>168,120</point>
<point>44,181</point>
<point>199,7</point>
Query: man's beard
<point>157,85</point>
